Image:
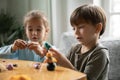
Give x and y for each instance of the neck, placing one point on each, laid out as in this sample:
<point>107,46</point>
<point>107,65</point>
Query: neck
<point>88,46</point>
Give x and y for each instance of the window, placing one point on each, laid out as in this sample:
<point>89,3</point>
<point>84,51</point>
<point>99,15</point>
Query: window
<point>115,18</point>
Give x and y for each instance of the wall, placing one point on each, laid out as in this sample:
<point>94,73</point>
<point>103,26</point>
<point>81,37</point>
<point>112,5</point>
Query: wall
<point>20,7</point>
<point>57,11</point>
<point>61,11</point>
<point>3,4</point>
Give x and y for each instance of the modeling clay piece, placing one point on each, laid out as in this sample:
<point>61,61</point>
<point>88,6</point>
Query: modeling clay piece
<point>9,67</point>
<point>20,77</point>
<point>51,62</point>
<point>15,65</point>
<point>47,45</point>
<point>37,65</point>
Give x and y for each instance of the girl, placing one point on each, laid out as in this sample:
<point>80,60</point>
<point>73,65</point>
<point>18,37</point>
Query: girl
<point>36,29</point>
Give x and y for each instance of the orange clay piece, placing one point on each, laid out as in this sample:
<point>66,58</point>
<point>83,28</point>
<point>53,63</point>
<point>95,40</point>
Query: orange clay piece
<point>50,58</point>
<point>19,77</point>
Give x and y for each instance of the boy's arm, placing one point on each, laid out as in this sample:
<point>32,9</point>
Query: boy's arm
<point>97,65</point>
<point>61,60</point>
<point>65,62</point>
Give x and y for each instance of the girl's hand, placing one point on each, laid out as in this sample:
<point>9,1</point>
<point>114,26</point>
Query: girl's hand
<point>19,44</point>
<point>37,48</point>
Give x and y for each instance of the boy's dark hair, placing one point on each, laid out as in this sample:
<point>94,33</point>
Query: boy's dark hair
<point>89,13</point>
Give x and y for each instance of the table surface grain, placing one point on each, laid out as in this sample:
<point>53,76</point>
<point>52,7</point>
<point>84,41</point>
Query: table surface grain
<point>27,68</point>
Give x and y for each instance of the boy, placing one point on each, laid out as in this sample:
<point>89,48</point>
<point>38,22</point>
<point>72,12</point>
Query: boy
<point>89,56</point>
<point>36,29</point>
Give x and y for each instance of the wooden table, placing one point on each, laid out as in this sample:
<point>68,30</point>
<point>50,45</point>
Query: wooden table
<point>27,68</point>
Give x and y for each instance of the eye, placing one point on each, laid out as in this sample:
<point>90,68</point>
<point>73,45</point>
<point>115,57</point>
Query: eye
<point>30,29</point>
<point>81,26</point>
<point>39,29</point>
<point>73,28</point>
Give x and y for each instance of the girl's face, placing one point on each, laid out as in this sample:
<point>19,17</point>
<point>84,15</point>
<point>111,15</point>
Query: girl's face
<point>85,32</point>
<point>35,30</point>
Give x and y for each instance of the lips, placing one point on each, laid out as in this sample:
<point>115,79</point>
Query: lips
<point>34,38</point>
<point>78,38</point>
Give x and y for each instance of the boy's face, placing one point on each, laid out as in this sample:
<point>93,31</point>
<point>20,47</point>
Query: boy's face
<point>85,32</point>
<point>35,30</point>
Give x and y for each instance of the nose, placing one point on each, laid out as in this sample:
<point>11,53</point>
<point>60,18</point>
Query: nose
<point>76,31</point>
<point>34,32</point>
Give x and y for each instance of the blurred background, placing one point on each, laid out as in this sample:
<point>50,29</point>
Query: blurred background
<point>58,12</point>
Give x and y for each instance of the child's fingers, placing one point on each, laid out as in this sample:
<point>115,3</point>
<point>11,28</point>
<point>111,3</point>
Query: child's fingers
<point>14,47</point>
<point>43,51</point>
<point>56,53</point>
<point>20,44</point>
<point>23,44</point>
<point>53,50</point>
<point>31,46</point>
<point>34,46</point>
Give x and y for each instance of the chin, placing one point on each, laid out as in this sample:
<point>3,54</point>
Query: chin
<point>34,40</point>
<point>81,42</point>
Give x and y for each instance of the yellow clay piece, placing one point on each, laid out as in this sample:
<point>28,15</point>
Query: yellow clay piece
<point>20,77</point>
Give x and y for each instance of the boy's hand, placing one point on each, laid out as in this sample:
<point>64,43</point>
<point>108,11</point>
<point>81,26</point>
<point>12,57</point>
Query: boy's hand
<point>61,59</point>
<point>19,44</point>
<point>37,48</point>
<point>56,54</point>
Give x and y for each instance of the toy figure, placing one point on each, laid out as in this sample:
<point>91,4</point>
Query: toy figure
<point>51,61</point>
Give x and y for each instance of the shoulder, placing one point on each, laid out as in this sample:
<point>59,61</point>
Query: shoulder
<point>100,51</point>
<point>75,48</point>
<point>5,49</point>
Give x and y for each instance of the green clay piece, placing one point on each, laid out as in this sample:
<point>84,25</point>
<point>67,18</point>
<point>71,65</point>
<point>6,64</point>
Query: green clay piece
<point>47,45</point>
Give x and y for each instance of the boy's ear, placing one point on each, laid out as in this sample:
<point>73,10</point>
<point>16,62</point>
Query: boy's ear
<point>98,27</point>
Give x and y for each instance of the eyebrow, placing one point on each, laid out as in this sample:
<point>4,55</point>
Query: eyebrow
<point>40,26</point>
<point>36,26</point>
<point>29,26</point>
<point>81,25</point>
